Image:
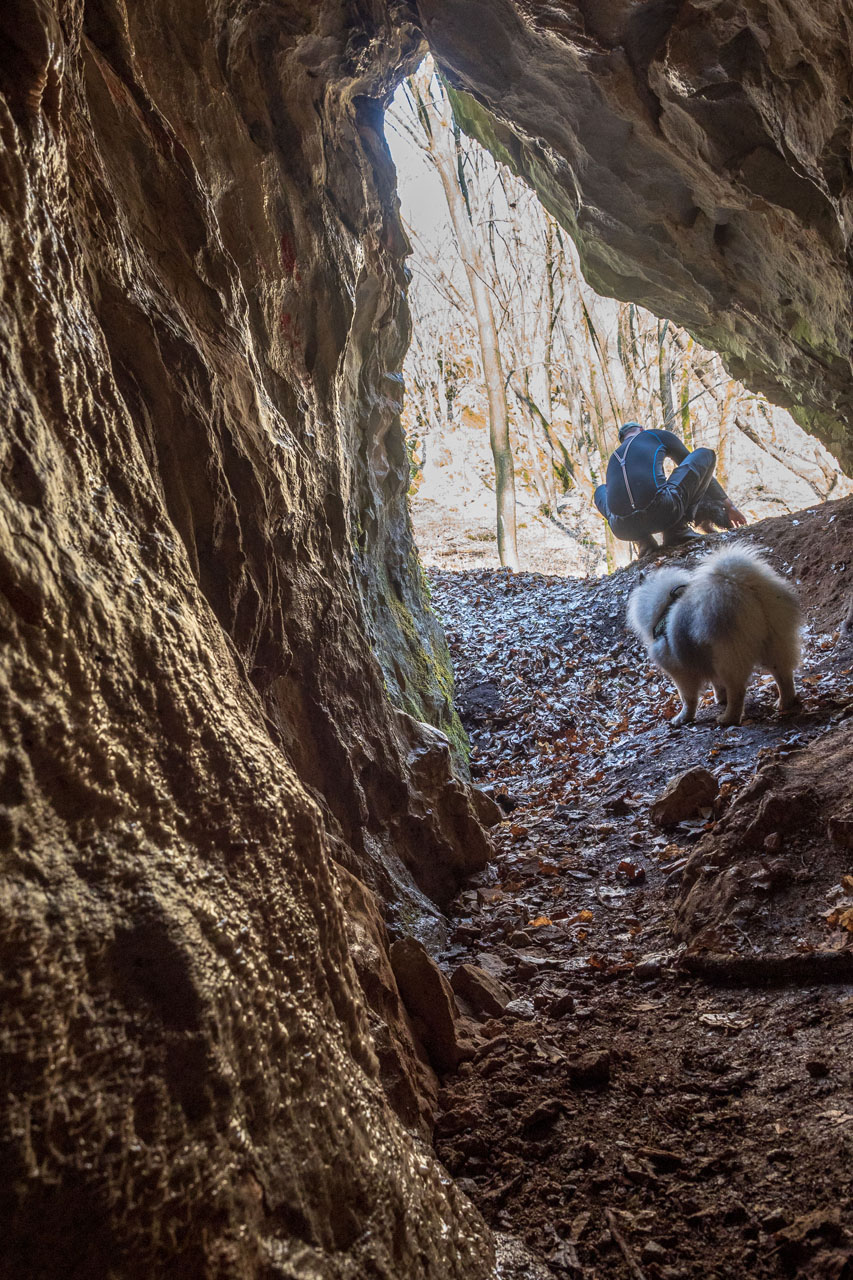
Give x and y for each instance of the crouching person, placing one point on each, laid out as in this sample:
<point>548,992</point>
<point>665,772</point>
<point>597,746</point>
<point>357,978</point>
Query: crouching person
<point>637,500</point>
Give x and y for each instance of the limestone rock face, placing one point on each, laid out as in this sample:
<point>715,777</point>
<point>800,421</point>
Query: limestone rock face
<point>210,612</point>
<point>699,153</point>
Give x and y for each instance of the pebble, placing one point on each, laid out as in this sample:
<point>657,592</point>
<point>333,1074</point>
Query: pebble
<point>520,1008</point>
<point>590,1070</point>
<point>561,1005</point>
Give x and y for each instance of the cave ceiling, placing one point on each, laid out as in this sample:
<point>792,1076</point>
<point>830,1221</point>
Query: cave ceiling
<point>699,155</point>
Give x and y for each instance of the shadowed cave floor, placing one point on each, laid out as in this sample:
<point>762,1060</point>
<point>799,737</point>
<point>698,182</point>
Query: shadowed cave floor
<point>624,1118</point>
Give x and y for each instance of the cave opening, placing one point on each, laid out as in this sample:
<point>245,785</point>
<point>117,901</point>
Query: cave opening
<point>507,334</point>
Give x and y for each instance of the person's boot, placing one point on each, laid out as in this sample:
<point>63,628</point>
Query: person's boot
<point>646,547</point>
<point>678,534</point>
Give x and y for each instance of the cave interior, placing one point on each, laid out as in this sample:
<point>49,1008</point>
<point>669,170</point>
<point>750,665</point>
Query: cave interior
<point>234,793</point>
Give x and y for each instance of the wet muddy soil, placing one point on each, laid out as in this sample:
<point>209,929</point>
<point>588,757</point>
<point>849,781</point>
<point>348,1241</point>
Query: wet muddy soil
<point>622,1116</point>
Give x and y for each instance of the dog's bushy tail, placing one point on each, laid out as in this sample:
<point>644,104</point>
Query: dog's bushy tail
<point>741,574</point>
<point>744,564</point>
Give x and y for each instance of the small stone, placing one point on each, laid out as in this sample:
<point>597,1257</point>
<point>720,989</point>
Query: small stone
<point>493,964</point>
<point>684,797</point>
<point>520,1008</point>
<point>542,1117</point>
<point>428,997</point>
<point>467,933</point>
<point>646,970</point>
<point>487,809</point>
<point>520,939</point>
<point>590,1070</point>
<point>773,842</point>
<point>563,1003</point>
<point>487,896</point>
<point>484,993</point>
<point>653,1252</point>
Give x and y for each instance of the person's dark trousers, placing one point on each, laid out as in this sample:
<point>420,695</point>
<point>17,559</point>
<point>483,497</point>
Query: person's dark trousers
<point>691,478</point>
<point>673,503</point>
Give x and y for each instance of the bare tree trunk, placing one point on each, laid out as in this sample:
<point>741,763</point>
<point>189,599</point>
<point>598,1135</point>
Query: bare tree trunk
<point>443,145</point>
<point>686,425</point>
<point>723,436</point>
<point>665,378</point>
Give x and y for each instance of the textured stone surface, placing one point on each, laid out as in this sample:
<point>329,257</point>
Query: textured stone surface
<point>428,997</point>
<point>409,1081</point>
<point>698,152</point>
<point>485,993</point>
<point>684,797</point>
<point>203,547</point>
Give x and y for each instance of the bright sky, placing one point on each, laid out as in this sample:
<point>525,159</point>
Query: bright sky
<point>421,196</point>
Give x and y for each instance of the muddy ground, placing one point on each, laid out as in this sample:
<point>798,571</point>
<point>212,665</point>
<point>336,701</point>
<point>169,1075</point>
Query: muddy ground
<point>624,1117</point>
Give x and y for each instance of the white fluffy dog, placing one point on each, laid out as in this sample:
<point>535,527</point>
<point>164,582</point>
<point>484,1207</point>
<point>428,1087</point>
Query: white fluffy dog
<point>717,623</point>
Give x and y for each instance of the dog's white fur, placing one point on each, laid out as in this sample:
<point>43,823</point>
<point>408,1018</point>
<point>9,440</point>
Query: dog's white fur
<point>734,614</point>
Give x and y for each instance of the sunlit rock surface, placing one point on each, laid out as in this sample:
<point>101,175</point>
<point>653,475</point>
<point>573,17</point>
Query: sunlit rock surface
<point>700,155</point>
<point>203,546</point>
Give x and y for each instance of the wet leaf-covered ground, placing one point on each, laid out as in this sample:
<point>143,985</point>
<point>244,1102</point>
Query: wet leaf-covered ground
<point>621,1116</point>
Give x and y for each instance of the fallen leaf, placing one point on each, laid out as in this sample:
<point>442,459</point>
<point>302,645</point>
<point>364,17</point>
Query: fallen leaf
<point>841,917</point>
<point>539,922</point>
<point>837,1117</point>
<point>670,851</point>
<point>726,1021</point>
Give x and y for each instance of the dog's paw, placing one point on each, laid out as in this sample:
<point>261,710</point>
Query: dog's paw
<point>725,721</point>
<point>791,704</point>
<point>683,717</point>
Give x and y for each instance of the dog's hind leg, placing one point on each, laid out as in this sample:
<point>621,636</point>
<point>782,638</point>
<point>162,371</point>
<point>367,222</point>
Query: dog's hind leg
<point>720,696</point>
<point>735,694</point>
<point>689,688</point>
<point>787,690</point>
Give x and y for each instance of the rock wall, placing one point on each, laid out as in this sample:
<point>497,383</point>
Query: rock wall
<point>216,659</point>
<point>203,547</point>
<point>700,154</point>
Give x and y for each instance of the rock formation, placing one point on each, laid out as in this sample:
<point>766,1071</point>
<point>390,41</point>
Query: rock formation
<point>700,154</point>
<point>217,659</point>
<point>216,656</point>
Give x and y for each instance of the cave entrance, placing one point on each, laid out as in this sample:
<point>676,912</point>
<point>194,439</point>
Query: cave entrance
<point>509,338</point>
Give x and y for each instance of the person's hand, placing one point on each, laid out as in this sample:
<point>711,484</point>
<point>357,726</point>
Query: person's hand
<point>737,518</point>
